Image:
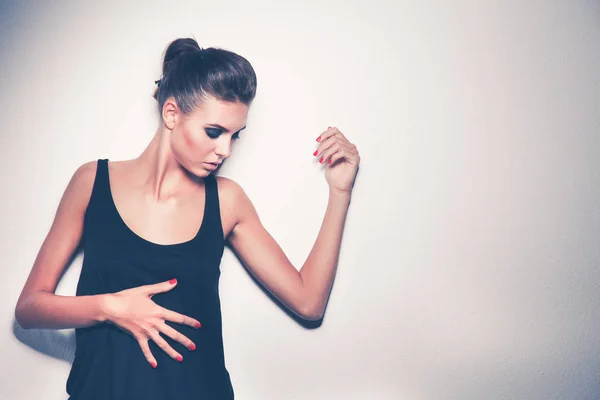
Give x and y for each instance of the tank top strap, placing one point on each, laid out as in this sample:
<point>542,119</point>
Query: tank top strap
<point>97,212</point>
<point>102,175</point>
<point>100,187</point>
<point>213,209</point>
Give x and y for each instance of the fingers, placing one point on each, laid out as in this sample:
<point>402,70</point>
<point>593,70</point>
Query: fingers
<point>329,138</point>
<point>325,135</point>
<point>330,132</point>
<point>143,342</point>
<point>161,287</point>
<point>162,343</point>
<point>334,146</point>
<point>334,156</point>
<point>154,334</point>
<point>173,316</point>
<point>178,337</point>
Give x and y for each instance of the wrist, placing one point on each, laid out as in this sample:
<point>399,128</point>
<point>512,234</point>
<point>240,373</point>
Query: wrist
<point>340,193</point>
<point>104,309</point>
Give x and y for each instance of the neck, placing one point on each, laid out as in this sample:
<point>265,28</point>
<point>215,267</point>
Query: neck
<point>157,169</point>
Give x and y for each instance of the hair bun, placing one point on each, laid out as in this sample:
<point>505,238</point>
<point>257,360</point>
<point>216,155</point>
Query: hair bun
<point>178,48</point>
<point>191,74</point>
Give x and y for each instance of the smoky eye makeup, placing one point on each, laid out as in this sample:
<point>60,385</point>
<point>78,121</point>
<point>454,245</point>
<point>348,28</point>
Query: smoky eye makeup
<point>213,132</point>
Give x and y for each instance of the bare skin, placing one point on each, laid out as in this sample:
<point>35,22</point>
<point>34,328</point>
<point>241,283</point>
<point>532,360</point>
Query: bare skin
<point>158,195</point>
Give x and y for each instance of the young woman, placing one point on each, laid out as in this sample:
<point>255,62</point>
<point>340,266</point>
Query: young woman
<point>147,313</point>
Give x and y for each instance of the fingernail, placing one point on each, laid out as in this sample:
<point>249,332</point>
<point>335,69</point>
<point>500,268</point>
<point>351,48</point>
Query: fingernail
<point>153,365</point>
<point>316,152</point>
<point>179,358</point>
<point>328,127</point>
<point>197,325</point>
<point>173,281</point>
<point>319,139</point>
<point>192,347</point>
<point>321,160</point>
<point>330,160</point>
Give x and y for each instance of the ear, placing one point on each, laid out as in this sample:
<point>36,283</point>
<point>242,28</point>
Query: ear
<point>170,113</point>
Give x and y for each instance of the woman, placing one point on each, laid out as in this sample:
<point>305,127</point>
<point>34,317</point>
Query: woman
<point>153,231</point>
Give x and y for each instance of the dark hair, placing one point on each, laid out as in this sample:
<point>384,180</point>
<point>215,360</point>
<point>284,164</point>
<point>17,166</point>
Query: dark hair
<point>190,74</point>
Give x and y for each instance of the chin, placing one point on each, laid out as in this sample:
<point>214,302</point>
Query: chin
<point>202,173</point>
<point>199,172</point>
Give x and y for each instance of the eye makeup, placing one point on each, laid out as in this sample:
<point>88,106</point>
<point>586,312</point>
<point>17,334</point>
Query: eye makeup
<point>214,133</point>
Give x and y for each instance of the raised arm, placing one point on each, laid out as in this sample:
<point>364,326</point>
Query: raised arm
<point>305,292</point>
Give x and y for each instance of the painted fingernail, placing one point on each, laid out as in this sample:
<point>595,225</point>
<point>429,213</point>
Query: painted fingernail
<point>153,365</point>
<point>179,358</point>
<point>316,152</point>
<point>321,160</point>
<point>319,139</point>
<point>197,325</point>
<point>173,281</point>
<point>330,160</point>
<point>192,347</point>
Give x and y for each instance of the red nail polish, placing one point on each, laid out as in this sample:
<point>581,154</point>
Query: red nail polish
<point>192,347</point>
<point>153,365</point>
<point>330,160</point>
<point>173,281</point>
<point>197,325</point>
<point>319,139</point>
<point>179,358</point>
<point>316,152</point>
<point>321,160</point>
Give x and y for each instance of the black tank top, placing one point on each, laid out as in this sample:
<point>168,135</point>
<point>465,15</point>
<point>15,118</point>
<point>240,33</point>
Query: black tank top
<point>109,363</point>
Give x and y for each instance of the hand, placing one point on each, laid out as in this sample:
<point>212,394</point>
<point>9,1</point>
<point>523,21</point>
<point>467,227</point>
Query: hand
<point>340,158</point>
<point>133,311</point>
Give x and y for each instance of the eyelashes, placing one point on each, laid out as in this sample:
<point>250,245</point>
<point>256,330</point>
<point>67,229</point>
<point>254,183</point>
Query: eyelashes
<point>214,133</point>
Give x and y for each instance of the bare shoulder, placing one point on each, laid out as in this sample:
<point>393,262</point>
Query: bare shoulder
<point>231,192</point>
<point>228,186</point>
<point>234,203</point>
<point>79,189</point>
<point>86,172</point>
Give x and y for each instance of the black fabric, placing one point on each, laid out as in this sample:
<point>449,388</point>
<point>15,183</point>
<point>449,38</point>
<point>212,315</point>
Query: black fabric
<point>109,364</point>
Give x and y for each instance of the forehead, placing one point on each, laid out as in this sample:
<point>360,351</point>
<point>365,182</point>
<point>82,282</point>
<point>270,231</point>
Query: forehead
<point>212,111</point>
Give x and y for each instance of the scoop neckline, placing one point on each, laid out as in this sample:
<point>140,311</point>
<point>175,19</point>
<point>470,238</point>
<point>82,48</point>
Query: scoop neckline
<point>136,235</point>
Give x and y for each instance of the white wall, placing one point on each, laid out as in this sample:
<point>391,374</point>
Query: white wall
<point>469,267</point>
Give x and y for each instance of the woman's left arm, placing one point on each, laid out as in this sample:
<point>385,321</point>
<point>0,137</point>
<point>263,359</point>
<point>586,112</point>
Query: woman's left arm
<point>306,291</point>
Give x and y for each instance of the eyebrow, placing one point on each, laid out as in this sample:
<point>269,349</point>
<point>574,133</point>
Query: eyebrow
<point>223,128</point>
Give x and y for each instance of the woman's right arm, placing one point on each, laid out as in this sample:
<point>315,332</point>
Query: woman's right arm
<point>38,306</point>
<point>132,310</point>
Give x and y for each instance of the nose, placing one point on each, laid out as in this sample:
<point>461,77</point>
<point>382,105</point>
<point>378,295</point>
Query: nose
<point>223,148</point>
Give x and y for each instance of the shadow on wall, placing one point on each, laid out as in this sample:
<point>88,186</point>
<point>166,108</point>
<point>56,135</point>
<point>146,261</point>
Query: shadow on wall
<point>54,343</point>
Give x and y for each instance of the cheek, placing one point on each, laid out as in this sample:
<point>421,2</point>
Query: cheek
<point>187,138</point>
<point>183,144</point>
<point>191,142</point>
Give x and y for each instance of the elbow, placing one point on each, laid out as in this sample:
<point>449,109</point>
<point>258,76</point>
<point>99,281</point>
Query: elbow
<point>21,318</point>
<point>312,316</point>
<point>312,312</point>
<point>310,307</point>
<point>23,311</point>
